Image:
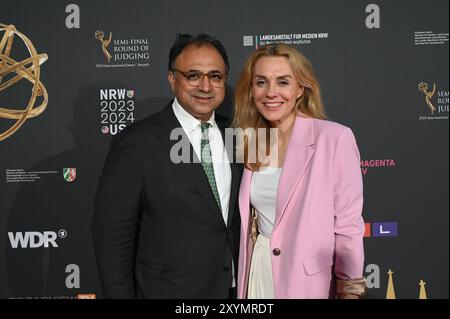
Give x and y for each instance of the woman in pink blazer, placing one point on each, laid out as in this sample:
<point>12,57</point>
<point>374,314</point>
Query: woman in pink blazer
<point>305,186</point>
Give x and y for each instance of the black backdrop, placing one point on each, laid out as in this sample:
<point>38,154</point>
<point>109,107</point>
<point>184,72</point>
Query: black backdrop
<point>369,57</point>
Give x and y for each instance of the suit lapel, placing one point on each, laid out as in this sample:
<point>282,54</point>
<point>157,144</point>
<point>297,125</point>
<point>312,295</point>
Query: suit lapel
<point>193,170</point>
<point>299,153</point>
<point>236,171</point>
<point>244,197</point>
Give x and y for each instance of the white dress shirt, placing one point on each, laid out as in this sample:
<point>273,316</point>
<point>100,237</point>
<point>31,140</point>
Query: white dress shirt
<point>222,170</point>
<point>221,163</point>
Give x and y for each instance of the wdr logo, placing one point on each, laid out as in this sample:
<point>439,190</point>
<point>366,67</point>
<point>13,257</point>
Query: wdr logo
<point>34,239</point>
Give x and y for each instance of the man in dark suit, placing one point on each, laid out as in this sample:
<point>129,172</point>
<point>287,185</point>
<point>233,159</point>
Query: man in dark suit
<point>164,228</point>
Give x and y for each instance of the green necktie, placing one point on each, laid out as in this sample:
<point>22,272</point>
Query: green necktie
<point>207,163</point>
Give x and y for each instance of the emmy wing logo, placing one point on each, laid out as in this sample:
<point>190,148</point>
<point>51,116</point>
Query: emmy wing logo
<point>423,87</point>
<point>69,174</point>
<point>436,101</point>
<point>12,71</point>
<point>124,51</point>
<point>99,35</point>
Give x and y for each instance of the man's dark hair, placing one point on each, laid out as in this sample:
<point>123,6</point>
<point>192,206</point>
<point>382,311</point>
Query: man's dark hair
<point>183,40</point>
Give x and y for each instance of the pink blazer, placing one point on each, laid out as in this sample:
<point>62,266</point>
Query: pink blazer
<point>318,225</point>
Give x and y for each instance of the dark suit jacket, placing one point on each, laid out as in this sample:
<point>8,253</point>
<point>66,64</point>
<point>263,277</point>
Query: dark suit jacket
<point>157,229</point>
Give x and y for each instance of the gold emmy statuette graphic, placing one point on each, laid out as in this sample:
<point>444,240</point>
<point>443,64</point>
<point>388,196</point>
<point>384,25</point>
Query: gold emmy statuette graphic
<point>105,43</point>
<point>29,69</point>
<point>390,293</point>
<point>423,86</point>
<point>422,293</point>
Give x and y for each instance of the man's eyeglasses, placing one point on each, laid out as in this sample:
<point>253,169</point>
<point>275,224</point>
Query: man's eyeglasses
<point>195,78</point>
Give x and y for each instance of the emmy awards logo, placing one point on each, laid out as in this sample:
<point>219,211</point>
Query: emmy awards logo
<point>423,86</point>
<point>12,71</point>
<point>105,43</point>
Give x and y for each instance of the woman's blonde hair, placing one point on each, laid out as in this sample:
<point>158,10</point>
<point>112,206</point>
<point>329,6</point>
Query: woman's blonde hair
<point>246,114</point>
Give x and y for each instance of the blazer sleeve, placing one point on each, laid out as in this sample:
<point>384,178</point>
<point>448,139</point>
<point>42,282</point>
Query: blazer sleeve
<point>348,204</point>
<point>117,214</point>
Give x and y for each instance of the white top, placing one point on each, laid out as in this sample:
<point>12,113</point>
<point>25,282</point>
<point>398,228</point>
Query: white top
<point>263,197</point>
<point>222,170</point>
